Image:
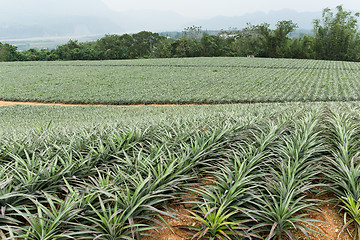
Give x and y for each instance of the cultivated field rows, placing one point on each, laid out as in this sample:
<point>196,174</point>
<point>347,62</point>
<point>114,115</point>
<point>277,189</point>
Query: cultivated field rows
<point>256,174</point>
<point>20,120</point>
<point>265,170</point>
<point>205,62</point>
<point>181,81</point>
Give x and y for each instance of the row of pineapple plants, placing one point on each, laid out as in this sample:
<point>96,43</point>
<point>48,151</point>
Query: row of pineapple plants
<point>117,183</point>
<point>343,175</point>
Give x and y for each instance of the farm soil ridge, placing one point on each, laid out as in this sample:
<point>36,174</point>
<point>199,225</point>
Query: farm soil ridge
<point>11,103</point>
<point>4,103</point>
<point>329,223</point>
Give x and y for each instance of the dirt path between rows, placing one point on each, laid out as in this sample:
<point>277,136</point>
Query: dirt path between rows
<point>11,103</point>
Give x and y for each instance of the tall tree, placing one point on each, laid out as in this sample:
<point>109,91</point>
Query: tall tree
<point>186,47</point>
<point>212,46</point>
<point>335,34</point>
<point>274,42</point>
<point>8,53</point>
<point>146,43</point>
<point>115,46</point>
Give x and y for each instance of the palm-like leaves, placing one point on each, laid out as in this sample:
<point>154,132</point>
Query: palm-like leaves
<point>50,221</point>
<point>352,207</point>
<point>280,215</point>
<point>112,222</point>
<point>344,174</point>
<point>115,183</point>
<point>216,223</point>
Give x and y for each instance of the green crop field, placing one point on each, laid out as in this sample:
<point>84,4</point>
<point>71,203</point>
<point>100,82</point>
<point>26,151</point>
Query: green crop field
<point>200,80</point>
<point>240,171</point>
<point>116,172</point>
<point>22,119</point>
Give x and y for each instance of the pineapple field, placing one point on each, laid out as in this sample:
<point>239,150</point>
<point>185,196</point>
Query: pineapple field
<point>285,166</point>
<point>180,81</point>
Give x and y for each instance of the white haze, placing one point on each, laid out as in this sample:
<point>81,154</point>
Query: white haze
<point>212,8</point>
<point>20,19</point>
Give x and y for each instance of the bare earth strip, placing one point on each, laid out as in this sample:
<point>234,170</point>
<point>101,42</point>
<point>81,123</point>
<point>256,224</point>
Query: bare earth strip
<point>11,103</point>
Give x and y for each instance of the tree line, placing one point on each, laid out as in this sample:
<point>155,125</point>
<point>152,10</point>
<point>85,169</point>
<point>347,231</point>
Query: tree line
<point>335,37</point>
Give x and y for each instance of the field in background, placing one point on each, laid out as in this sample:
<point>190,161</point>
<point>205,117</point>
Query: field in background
<point>200,80</point>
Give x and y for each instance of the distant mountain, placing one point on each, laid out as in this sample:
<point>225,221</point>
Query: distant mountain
<point>26,19</point>
<point>21,19</point>
<point>303,19</point>
<point>51,27</point>
<point>150,20</point>
<point>19,10</point>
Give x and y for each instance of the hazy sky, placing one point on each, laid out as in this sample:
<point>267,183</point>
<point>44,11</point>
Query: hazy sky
<point>210,8</point>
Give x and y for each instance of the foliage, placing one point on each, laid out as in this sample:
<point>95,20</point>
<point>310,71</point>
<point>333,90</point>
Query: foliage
<point>8,53</point>
<point>261,165</point>
<point>344,168</point>
<point>352,208</point>
<point>274,42</point>
<point>215,224</point>
<point>335,35</point>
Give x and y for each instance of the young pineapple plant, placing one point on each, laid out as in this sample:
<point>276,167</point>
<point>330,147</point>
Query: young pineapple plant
<point>52,219</point>
<point>218,223</point>
<point>9,194</point>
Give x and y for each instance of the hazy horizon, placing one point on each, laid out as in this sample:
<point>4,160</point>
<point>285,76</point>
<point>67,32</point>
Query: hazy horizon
<point>230,8</point>
<point>27,19</point>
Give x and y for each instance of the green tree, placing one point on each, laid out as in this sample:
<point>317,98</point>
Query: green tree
<point>245,42</point>
<point>163,49</point>
<point>8,53</point>
<point>34,55</point>
<point>68,51</point>
<point>275,42</point>
<point>213,46</point>
<point>146,44</point>
<point>353,53</point>
<point>301,48</point>
<point>281,35</point>
<point>186,47</point>
<point>115,46</point>
<point>336,34</point>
